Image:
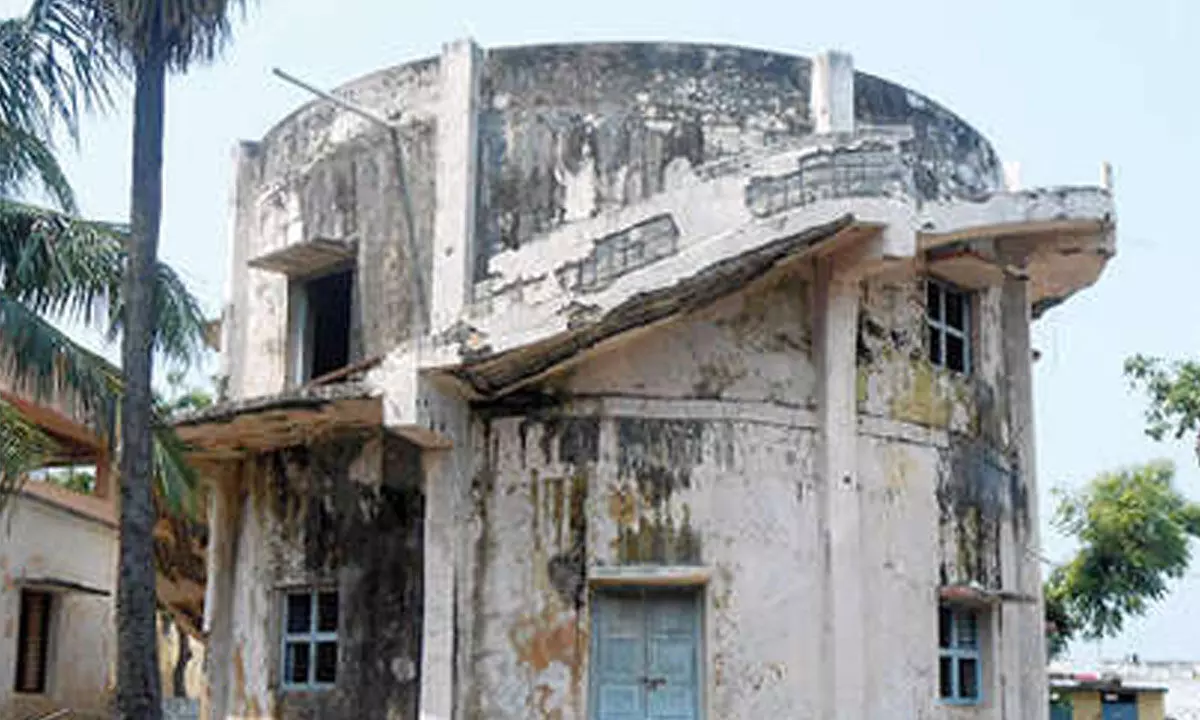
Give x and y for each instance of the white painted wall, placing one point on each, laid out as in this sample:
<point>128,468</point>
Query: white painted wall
<point>38,540</point>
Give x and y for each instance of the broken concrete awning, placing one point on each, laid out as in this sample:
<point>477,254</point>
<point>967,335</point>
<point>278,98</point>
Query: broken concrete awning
<point>234,429</point>
<point>61,585</point>
<point>305,258</point>
<point>493,375</point>
<point>979,596</point>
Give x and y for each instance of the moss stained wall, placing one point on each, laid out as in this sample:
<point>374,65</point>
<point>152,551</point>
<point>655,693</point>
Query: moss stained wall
<point>323,173</point>
<point>981,495</point>
<point>560,495</point>
<point>347,513</point>
<point>569,131</point>
<point>754,346</point>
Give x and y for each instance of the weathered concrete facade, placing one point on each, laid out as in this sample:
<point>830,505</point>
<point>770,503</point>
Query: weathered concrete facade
<point>631,321</point>
<point>58,572</point>
<point>62,545</point>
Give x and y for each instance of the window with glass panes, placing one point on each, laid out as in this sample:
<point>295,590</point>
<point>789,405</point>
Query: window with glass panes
<point>310,640</point>
<point>959,656</point>
<point>948,317</point>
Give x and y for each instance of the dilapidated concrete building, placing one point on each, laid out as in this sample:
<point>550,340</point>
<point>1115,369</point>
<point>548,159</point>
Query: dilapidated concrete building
<point>58,571</point>
<point>630,381</point>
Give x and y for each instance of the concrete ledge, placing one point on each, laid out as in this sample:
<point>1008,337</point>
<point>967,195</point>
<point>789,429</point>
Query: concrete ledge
<point>649,575</point>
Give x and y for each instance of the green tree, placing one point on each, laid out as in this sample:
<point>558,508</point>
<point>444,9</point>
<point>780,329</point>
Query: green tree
<point>1133,529</point>
<point>151,37</point>
<point>56,266</point>
<point>180,397</point>
<point>75,478</point>
<point>1173,389</point>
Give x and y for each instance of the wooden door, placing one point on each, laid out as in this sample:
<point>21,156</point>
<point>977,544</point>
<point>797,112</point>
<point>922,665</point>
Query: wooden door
<point>645,661</point>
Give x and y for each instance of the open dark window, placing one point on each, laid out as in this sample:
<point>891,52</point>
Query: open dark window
<point>33,642</point>
<point>948,318</point>
<point>322,321</point>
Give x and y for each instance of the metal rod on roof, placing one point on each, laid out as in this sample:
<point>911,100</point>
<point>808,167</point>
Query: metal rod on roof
<point>349,107</point>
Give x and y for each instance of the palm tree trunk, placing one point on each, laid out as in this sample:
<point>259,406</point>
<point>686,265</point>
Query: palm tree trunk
<point>139,692</point>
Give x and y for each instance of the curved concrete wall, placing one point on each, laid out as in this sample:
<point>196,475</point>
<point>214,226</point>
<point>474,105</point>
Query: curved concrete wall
<point>571,131</point>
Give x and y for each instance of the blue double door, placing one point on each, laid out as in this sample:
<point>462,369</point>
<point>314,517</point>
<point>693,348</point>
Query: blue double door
<point>645,660</point>
<point>1120,707</point>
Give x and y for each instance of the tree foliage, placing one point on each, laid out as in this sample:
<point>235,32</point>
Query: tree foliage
<point>56,266</point>
<point>1173,389</point>
<point>1133,528</point>
<point>49,74</point>
<point>182,32</point>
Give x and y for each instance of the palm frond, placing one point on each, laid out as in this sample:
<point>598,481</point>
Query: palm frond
<point>189,31</point>
<point>46,366</point>
<point>179,323</point>
<point>23,448</point>
<point>62,266</point>
<point>49,68</point>
<point>71,76</point>
<point>40,362</point>
<point>175,480</point>
<point>26,160</point>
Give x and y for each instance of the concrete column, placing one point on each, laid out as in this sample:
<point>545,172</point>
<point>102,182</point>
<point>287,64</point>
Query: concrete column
<point>844,647</point>
<point>447,472</point>
<point>224,510</point>
<point>457,151</point>
<point>832,92</point>
<point>1027,652</point>
<point>103,487</point>
<point>242,236</point>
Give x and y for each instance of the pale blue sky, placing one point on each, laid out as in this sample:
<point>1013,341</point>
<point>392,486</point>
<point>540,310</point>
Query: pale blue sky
<point>1058,85</point>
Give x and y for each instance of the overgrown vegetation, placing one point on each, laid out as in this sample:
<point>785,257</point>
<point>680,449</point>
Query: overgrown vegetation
<point>1133,527</point>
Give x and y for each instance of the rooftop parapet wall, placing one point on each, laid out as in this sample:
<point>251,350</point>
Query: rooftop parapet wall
<point>568,132</point>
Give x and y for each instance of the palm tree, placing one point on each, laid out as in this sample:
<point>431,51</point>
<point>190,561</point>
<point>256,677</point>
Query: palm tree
<point>152,37</point>
<point>53,264</point>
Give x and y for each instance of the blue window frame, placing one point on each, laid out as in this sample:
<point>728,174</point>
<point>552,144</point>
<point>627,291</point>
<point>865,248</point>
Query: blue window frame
<point>310,639</point>
<point>959,657</point>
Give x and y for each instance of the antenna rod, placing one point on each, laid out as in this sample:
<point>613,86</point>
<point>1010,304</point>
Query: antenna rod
<point>349,107</point>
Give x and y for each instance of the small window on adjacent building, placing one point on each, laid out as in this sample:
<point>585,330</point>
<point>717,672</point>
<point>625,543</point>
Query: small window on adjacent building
<point>948,317</point>
<point>310,640</point>
<point>959,657</point>
<point>321,320</point>
<point>33,642</point>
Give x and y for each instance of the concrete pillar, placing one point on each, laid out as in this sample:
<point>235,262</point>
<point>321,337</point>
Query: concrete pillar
<point>243,233</point>
<point>447,472</point>
<point>105,473</point>
<point>224,510</point>
<point>457,151</point>
<point>1025,664</point>
<point>832,92</point>
<point>844,646</point>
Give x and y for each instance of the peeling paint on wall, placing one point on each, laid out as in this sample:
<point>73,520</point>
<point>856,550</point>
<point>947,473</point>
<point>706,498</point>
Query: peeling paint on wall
<point>346,513</point>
